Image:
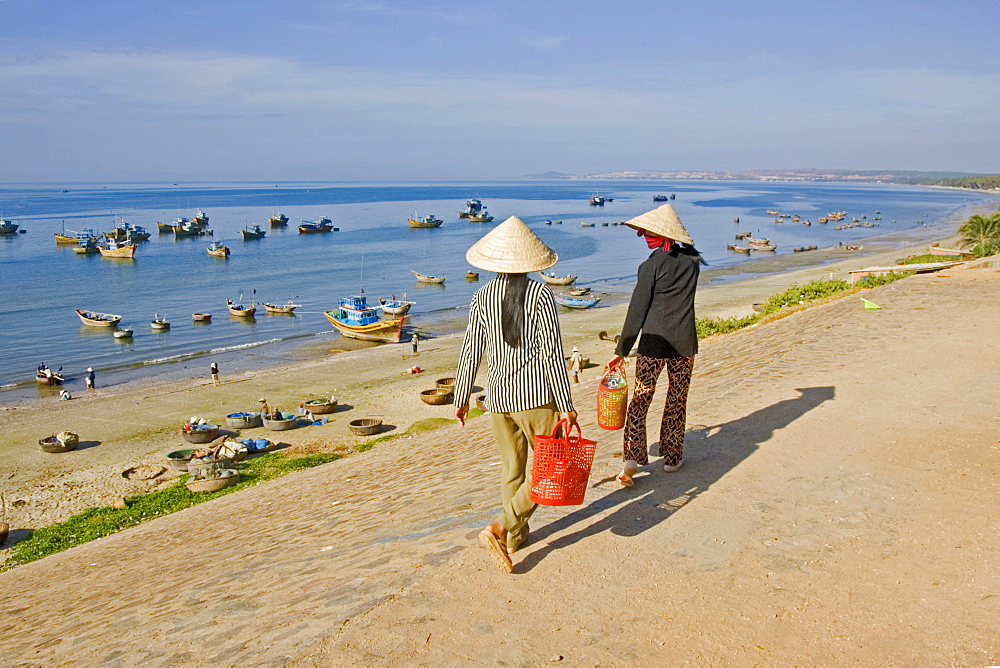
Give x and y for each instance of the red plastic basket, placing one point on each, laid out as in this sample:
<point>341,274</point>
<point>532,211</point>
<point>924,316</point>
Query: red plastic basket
<point>561,467</point>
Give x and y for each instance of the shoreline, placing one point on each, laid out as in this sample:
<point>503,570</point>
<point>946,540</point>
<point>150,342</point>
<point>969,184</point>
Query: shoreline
<point>137,422</point>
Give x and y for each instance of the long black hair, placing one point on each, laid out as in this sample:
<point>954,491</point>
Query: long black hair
<point>512,309</point>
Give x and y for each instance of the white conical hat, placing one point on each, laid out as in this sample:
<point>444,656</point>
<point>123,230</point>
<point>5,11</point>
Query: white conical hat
<point>511,248</point>
<point>664,222</point>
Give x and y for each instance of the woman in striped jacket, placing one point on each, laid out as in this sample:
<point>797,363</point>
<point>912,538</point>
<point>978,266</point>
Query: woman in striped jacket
<point>513,323</point>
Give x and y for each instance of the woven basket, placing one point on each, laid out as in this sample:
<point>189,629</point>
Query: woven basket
<point>612,402</point>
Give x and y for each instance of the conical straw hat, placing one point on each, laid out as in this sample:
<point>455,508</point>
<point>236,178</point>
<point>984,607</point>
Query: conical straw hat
<point>663,222</point>
<point>511,248</point>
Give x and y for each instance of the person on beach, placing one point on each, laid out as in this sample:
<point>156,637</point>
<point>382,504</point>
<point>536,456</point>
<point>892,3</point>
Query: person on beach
<point>215,374</point>
<point>662,309</point>
<point>513,321</point>
<point>575,364</point>
<point>413,341</point>
<point>65,395</point>
<point>91,379</point>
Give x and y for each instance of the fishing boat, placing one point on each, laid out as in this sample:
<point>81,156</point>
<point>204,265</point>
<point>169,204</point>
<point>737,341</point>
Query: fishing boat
<point>127,232</point>
<point>86,247</point>
<point>773,212</point>
<point>200,218</point>
<point>597,200</point>
<point>159,323</point>
<point>283,309</point>
<point>428,279</point>
<point>757,242</point>
<point>202,317</point>
<point>552,279</point>
<point>190,229</point>
<point>578,292</point>
<point>576,302</point>
<point>763,247</point>
<point>253,232</point>
<point>67,237</point>
<point>395,306</point>
<point>117,249</point>
<point>218,249</point>
<point>660,198</point>
<point>241,310</point>
<point>278,219</point>
<point>356,320</point>
<point>319,226</point>
<point>48,377</point>
<point>583,224</point>
<point>122,333</point>
<point>7,227</point>
<point>472,275</point>
<point>738,249</point>
<point>95,319</point>
<point>481,217</point>
<point>168,228</point>
<point>472,207</point>
<point>427,221</point>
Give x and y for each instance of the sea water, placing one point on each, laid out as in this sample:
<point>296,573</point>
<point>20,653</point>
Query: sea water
<point>374,251</point>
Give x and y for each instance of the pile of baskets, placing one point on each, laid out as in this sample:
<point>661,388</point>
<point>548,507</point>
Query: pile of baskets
<point>442,393</point>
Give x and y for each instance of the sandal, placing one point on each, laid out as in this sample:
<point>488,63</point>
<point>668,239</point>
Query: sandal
<point>625,477</point>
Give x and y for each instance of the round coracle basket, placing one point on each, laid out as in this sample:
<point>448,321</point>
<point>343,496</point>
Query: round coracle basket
<point>366,426</point>
<point>446,383</point>
<point>320,406</point>
<point>63,442</point>
<point>244,420</point>
<point>213,484</point>
<point>286,422</point>
<point>481,403</point>
<point>179,459</point>
<point>201,435</point>
<point>437,396</point>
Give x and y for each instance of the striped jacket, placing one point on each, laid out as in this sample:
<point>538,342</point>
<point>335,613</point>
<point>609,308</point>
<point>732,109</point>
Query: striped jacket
<point>522,378</point>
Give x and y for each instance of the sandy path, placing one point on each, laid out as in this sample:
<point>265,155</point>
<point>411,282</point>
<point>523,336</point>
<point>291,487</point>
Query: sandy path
<point>843,510</point>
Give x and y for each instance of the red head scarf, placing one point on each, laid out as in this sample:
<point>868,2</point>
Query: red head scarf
<point>655,242</point>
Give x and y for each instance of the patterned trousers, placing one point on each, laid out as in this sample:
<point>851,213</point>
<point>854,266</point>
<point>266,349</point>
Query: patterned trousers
<point>647,370</point>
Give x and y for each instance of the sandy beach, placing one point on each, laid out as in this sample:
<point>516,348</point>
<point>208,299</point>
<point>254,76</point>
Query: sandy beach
<point>837,506</point>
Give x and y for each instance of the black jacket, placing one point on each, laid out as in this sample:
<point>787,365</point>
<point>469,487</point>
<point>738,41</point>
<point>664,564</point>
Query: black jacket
<point>662,305</point>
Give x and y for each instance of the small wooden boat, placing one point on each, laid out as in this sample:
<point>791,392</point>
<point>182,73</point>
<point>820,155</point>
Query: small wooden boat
<point>117,249</point>
<point>86,247</point>
<point>278,219</point>
<point>280,421</point>
<point>123,333</point>
<point>578,292</point>
<point>737,249</point>
<point>283,309</point>
<point>583,224</point>
<point>395,306</point>
<point>159,323</point>
<point>472,275</point>
<point>481,217</point>
<point>576,302</point>
<point>436,396</point>
<point>760,242</point>
<point>365,426</point>
<point>763,247</point>
<point>68,237</point>
<point>660,198</point>
<point>472,207</point>
<point>241,310</point>
<point>552,279</point>
<point>428,279</point>
<point>253,232</point>
<point>95,319</point>
<point>319,226</point>
<point>426,222</point>
<point>202,317</point>
<point>218,249</point>
<point>320,406</point>
<point>48,377</point>
<point>773,212</point>
<point>356,320</point>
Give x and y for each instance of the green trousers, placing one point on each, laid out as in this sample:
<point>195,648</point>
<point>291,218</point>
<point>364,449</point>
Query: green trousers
<point>515,437</point>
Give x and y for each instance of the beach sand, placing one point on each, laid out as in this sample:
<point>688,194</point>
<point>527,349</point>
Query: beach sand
<point>837,505</point>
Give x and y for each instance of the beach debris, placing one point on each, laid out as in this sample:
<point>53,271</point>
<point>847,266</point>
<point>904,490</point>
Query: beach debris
<point>870,304</point>
<point>143,472</point>
<point>414,370</point>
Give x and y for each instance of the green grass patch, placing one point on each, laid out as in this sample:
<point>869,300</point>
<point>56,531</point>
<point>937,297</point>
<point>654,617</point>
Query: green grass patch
<point>428,424</point>
<point>99,522</point>
<point>873,281</point>
<point>927,257</point>
<point>715,326</point>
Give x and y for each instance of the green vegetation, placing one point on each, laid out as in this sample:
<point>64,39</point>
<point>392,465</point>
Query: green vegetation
<point>793,296</point>
<point>927,257</point>
<point>972,182</point>
<point>981,234</point>
<point>99,522</point>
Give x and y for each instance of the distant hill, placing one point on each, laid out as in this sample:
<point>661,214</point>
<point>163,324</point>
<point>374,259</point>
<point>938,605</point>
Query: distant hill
<point>549,176</point>
<point>952,179</point>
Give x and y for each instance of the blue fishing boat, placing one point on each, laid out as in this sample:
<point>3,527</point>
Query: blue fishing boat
<point>355,319</point>
<point>576,302</point>
<point>320,226</point>
<point>7,227</point>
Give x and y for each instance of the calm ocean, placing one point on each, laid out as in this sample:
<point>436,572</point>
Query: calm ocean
<point>374,250</point>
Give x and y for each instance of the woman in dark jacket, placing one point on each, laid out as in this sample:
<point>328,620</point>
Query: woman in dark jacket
<point>661,316</point>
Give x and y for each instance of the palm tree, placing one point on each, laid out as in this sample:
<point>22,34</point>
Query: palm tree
<point>982,233</point>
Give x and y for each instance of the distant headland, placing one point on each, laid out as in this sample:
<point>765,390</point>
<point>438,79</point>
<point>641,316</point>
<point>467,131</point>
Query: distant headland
<point>950,179</point>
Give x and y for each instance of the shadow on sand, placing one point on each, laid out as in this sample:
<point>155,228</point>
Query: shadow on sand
<point>710,453</point>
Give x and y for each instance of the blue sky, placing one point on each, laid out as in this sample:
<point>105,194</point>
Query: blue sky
<point>382,90</point>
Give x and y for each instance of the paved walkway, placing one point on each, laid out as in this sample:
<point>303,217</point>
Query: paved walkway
<point>840,507</point>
